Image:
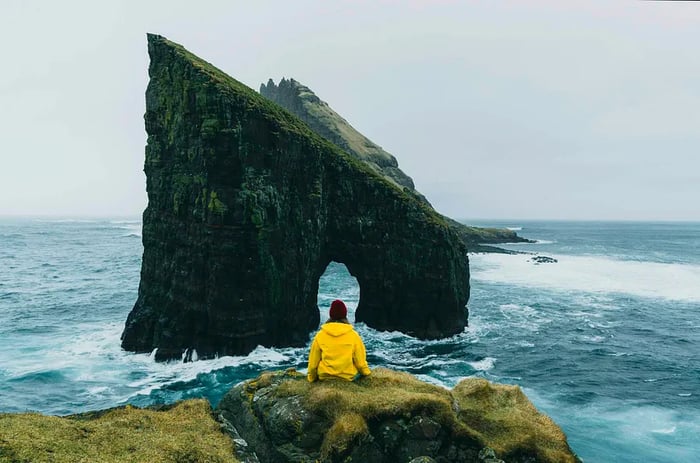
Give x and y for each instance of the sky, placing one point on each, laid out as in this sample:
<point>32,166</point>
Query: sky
<point>513,110</point>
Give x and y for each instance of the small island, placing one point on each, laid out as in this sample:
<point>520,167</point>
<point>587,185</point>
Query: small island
<point>247,206</point>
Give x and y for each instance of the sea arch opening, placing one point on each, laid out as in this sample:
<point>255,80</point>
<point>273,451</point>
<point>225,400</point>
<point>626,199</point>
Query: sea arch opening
<point>336,282</point>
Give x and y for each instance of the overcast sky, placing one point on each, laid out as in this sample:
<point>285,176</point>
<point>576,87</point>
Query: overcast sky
<point>512,110</point>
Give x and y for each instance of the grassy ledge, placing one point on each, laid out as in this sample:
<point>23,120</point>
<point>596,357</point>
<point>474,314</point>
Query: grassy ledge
<point>186,432</point>
<point>489,415</point>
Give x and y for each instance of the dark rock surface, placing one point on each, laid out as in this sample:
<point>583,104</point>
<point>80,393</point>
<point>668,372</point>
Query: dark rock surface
<point>302,102</point>
<point>542,260</point>
<point>390,417</point>
<point>247,206</point>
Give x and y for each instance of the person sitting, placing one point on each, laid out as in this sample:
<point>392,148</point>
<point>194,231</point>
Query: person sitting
<point>337,351</point>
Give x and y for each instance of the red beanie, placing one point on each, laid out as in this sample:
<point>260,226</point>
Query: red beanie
<point>338,310</point>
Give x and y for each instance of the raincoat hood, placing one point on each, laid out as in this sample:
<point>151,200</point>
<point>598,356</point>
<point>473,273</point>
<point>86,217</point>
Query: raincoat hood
<point>336,329</point>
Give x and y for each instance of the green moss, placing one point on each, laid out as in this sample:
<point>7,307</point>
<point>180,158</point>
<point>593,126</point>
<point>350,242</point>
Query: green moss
<point>205,198</point>
<point>185,433</point>
<point>177,198</point>
<point>210,127</point>
<point>286,122</point>
<point>256,218</point>
<point>215,205</point>
<point>490,415</point>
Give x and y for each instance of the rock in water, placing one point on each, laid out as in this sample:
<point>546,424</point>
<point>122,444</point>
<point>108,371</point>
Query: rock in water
<point>246,208</point>
<point>542,260</point>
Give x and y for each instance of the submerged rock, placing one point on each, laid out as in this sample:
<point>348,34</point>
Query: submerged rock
<point>303,103</point>
<point>390,417</point>
<point>246,208</point>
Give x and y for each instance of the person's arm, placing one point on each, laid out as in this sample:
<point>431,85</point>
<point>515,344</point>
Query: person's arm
<point>314,359</point>
<point>359,357</point>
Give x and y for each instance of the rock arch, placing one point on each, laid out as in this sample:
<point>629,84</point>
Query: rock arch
<point>337,282</point>
<point>247,207</point>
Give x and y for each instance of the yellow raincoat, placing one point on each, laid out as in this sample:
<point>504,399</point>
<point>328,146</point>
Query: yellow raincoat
<point>337,352</point>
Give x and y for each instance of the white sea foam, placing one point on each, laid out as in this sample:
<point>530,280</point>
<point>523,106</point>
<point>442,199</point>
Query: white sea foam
<point>158,374</point>
<point>125,221</point>
<point>66,220</point>
<point>524,316</point>
<point>515,228</point>
<point>592,274</point>
<point>670,430</point>
<point>133,229</point>
<point>91,353</point>
<point>652,433</point>
<point>485,364</point>
<point>432,380</point>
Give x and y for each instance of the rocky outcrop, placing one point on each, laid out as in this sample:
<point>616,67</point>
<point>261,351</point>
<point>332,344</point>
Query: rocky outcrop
<point>246,208</point>
<point>279,417</point>
<point>390,417</point>
<point>302,102</point>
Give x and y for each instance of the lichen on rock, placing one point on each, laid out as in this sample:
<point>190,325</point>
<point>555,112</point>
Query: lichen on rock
<point>246,208</point>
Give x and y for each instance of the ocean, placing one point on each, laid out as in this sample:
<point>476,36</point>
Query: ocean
<point>605,340</point>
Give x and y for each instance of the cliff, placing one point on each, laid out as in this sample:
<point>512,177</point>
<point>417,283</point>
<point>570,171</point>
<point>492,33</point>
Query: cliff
<point>302,102</point>
<point>246,208</point>
<point>390,417</point>
<point>279,417</point>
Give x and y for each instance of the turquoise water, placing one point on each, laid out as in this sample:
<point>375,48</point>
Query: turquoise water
<point>605,340</point>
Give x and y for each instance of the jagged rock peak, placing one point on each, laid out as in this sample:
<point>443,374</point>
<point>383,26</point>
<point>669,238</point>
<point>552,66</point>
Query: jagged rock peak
<point>302,102</point>
<point>246,208</point>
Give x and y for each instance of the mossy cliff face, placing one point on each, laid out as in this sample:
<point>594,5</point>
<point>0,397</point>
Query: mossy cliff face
<point>246,208</point>
<point>390,417</point>
<point>302,102</point>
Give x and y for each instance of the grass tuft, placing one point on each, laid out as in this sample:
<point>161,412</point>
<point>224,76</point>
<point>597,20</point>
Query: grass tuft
<point>504,417</point>
<point>185,433</point>
<point>490,415</point>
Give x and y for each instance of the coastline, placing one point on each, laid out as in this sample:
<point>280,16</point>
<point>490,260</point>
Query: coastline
<point>477,421</point>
